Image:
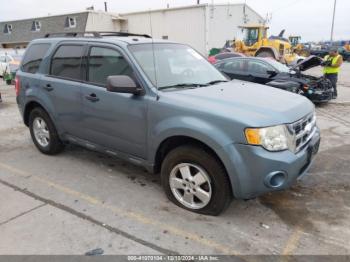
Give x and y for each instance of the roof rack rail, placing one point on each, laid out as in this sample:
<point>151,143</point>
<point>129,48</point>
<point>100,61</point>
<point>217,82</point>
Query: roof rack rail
<point>73,34</point>
<point>111,33</point>
<point>94,34</point>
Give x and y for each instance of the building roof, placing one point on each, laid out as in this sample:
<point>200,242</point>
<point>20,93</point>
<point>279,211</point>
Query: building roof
<point>190,7</point>
<point>165,9</point>
<point>64,14</point>
<point>22,30</point>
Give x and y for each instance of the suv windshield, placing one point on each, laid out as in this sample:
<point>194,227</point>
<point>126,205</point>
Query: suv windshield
<point>174,65</point>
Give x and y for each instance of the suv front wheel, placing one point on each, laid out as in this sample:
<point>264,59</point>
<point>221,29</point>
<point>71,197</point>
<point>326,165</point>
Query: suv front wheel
<point>195,180</point>
<point>43,132</point>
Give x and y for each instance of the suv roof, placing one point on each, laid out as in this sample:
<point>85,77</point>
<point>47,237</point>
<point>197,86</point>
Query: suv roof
<point>91,36</point>
<point>94,34</point>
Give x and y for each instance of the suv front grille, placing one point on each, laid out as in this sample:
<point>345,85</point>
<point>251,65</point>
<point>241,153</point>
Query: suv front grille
<point>302,131</point>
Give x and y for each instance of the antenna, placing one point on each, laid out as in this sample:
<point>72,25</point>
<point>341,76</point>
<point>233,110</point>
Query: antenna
<point>106,9</point>
<point>154,56</point>
<point>245,16</point>
<point>267,19</point>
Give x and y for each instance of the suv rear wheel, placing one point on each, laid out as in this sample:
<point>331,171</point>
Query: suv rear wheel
<point>195,180</point>
<point>43,132</point>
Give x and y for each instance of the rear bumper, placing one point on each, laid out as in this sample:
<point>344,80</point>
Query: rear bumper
<point>250,167</point>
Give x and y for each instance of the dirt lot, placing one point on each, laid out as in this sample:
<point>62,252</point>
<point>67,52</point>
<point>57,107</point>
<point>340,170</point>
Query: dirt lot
<point>81,200</point>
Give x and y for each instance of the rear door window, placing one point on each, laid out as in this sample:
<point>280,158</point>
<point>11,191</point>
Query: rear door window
<point>33,57</point>
<point>66,62</point>
<point>234,66</point>
<point>104,62</point>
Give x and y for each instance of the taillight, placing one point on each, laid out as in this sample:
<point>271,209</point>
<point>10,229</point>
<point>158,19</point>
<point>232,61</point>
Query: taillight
<point>17,85</point>
<point>212,59</point>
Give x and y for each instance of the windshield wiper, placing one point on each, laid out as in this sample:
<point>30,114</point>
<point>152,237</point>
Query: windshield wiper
<point>215,82</point>
<point>184,85</point>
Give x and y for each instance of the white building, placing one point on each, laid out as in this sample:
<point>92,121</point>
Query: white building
<point>202,26</point>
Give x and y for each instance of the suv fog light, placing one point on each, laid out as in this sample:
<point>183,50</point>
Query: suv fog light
<point>276,179</point>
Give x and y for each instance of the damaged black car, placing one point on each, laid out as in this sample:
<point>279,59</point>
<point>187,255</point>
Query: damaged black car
<point>270,72</point>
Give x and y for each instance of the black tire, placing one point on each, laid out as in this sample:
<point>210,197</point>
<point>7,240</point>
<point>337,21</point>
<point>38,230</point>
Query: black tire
<point>221,195</point>
<point>55,145</point>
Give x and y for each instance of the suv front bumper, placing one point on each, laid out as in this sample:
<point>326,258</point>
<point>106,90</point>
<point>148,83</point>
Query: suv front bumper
<point>249,167</point>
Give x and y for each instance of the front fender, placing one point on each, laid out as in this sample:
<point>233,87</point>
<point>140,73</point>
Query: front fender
<point>203,131</point>
<point>199,129</point>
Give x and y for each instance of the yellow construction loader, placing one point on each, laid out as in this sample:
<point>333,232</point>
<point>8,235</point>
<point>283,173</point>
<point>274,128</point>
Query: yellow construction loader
<point>298,47</point>
<point>256,43</point>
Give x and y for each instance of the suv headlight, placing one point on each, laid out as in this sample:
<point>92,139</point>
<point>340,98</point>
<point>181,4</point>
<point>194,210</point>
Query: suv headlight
<point>274,138</point>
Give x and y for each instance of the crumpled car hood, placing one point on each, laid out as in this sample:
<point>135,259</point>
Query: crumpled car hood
<point>309,62</point>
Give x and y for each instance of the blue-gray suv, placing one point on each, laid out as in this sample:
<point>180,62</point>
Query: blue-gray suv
<point>161,105</point>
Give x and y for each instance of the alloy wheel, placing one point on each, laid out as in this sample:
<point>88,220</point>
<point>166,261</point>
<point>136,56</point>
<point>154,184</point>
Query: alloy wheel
<point>41,132</point>
<point>190,184</point>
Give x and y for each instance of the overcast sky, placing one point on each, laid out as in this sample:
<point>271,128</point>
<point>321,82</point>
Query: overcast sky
<point>309,18</point>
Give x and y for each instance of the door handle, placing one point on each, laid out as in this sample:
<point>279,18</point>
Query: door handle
<point>92,97</point>
<point>48,87</point>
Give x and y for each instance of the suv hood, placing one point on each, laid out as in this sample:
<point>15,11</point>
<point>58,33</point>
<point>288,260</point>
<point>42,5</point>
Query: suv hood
<point>251,104</point>
<point>309,62</point>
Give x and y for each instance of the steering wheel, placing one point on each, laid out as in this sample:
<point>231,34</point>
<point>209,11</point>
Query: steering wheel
<point>188,73</point>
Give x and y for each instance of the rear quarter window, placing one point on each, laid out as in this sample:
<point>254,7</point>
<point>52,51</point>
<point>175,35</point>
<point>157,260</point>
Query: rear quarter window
<point>33,57</point>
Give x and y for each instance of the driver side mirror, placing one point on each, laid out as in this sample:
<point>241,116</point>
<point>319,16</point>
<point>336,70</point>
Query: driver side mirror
<point>123,84</point>
<point>271,72</point>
